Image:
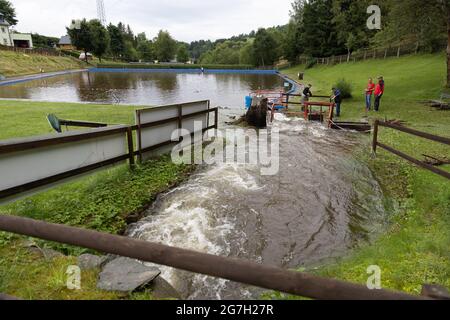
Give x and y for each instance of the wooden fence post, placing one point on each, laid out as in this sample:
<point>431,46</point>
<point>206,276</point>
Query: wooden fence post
<point>398,52</point>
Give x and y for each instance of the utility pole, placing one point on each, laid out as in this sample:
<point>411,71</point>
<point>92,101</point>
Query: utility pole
<point>101,12</point>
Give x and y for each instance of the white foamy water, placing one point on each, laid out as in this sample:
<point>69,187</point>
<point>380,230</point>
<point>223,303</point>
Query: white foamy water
<point>321,204</point>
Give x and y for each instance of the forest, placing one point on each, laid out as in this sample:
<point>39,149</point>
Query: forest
<point>317,28</point>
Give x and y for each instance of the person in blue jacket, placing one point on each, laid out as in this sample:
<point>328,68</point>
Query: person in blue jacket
<point>337,97</point>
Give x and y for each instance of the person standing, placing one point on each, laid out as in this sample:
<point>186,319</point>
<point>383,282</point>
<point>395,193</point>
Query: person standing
<point>379,91</point>
<point>337,97</point>
<point>369,93</point>
<point>307,93</point>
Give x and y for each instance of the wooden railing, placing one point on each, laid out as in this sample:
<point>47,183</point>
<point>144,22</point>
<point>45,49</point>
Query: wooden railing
<point>409,158</point>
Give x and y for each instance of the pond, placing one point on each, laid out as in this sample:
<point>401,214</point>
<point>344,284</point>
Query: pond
<point>321,204</point>
<point>143,88</point>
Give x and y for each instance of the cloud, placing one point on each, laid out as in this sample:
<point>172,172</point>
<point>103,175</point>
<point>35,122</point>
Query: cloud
<point>186,20</point>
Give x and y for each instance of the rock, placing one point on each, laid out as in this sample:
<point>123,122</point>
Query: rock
<point>161,289</point>
<point>126,275</point>
<point>47,254</point>
<point>90,261</point>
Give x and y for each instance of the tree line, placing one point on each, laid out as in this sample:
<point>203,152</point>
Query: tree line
<point>323,28</point>
<point>120,43</point>
<point>317,28</point>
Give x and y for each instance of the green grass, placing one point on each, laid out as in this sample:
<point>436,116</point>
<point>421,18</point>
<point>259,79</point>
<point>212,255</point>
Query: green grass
<point>18,64</point>
<point>416,248</point>
<point>99,202</point>
<point>28,118</point>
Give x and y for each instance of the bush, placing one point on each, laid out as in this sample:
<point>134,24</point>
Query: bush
<point>345,87</point>
<point>311,63</point>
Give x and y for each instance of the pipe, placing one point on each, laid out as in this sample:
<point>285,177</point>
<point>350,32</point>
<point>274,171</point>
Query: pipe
<point>241,271</point>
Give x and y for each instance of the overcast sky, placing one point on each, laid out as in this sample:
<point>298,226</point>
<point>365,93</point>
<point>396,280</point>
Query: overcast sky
<point>186,20</point>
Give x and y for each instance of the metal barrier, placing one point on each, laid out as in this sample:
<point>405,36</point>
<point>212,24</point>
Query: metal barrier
<point>411,159</point>
<point>246,272</point>
<point>61,157</point>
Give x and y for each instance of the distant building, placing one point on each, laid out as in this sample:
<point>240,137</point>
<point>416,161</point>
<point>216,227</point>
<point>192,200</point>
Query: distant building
<point>65,43</point>
<point>22,40</point>
<point>10,39</point>
<point>5,37</point>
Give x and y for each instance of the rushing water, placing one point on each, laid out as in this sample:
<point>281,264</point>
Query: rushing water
<point>321,204</point>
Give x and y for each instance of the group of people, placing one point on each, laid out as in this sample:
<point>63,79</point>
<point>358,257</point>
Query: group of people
<point>372,89</point>
<point>336,96</point>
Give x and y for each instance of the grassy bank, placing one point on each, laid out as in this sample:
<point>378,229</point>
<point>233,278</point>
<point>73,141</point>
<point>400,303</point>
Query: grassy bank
<point>18,64</point>
<point>416,248</point>
<point>99,202</point>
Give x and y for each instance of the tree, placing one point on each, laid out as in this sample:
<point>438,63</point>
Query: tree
<point>264,50</point>
<point>246,53</point>
<point>82,37</point>
<point>7,9</point>
<point>165,46</point>
<point>40,41</point>
<point>183,53</point>
<point>145,48</point>
<point>99,37</point>
<point>350,19</point>
<point>117,45</point>
<point>318,31</point>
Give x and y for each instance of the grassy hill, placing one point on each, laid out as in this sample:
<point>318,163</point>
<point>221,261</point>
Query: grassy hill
<point>18,64</point>
<point>416,249</point>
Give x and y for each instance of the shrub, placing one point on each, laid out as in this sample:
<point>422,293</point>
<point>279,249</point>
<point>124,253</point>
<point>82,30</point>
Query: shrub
<point>311,63</point>
<point>345,87</point>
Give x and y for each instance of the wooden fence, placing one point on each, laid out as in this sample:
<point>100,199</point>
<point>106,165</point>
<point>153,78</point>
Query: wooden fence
<point>38,51</point>
<point>365,54</point>
<point>411,159</point>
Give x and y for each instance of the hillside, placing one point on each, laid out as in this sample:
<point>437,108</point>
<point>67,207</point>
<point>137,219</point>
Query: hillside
<point>18,64</point>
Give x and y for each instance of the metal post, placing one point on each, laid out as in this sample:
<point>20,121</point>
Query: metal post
<point>375,136</point>
<point>130,146</point>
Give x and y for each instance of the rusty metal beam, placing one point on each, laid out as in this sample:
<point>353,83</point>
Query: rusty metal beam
<point>241,271</point>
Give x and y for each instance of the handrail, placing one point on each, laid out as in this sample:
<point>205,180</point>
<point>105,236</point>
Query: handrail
<point>242,271</point>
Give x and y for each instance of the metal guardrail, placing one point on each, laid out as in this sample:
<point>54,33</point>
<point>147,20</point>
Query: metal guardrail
<point>242,271</point>
<point>411,159</point>
<point>33,143</point>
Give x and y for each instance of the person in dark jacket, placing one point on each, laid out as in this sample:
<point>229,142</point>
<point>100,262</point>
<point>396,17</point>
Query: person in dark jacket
<point>307,93</point>
<point>337,97</point>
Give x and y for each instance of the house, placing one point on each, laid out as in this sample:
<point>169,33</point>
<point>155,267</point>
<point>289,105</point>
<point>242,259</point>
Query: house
<point>65,43</point>
<point>5,37</point>
<point>22,40</point>
<point>13,39</point>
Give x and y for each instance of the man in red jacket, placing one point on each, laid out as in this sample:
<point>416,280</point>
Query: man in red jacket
<point>379,91</point>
